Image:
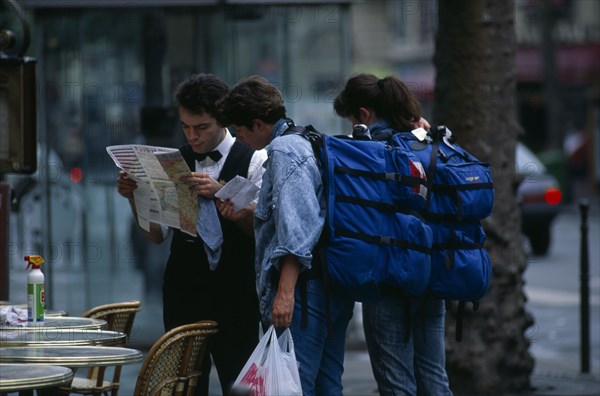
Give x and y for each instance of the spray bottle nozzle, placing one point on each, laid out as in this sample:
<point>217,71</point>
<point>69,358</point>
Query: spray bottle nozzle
<point>34,261</point>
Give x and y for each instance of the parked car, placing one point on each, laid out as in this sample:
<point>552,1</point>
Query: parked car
<point>539,197</point>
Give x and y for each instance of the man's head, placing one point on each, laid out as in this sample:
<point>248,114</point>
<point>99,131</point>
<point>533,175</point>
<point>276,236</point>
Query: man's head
<point>196,98</point>
<point>253,106</point>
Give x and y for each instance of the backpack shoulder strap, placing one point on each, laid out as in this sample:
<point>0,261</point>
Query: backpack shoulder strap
<point>309,132</point>
<point>319,257</point>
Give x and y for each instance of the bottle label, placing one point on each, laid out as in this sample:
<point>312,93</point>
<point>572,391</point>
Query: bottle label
<point>35,302</point>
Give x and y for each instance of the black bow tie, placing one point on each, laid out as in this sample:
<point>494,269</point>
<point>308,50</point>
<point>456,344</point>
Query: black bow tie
<point>213,155</point>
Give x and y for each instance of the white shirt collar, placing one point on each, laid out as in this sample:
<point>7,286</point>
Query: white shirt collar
<point>225,146</point>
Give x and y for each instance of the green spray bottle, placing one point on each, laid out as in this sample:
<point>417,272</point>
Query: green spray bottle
<point>35,290</point>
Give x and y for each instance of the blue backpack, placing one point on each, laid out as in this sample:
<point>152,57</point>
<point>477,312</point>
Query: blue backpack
<point>460,195</point>
<point>374,238</point>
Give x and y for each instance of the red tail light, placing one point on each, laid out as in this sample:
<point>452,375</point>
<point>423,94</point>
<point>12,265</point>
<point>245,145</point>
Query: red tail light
<point>76,174</point>
<point>553,196</point>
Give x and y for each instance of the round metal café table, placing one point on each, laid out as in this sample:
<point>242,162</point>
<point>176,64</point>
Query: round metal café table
<point>63,322</point>
<point>71,356</point>
<point>19,377</point>
<point>55,337</point>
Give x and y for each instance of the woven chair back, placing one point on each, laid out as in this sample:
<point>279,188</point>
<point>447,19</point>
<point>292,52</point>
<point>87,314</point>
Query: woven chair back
<point>174,362</point>
<point>119,316</point>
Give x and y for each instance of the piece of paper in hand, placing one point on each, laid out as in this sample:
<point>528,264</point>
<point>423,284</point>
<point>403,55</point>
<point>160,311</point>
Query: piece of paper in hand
<point>240,191</point>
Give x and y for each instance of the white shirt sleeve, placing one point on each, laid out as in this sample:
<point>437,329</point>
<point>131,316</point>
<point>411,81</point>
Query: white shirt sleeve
<point>256,169</point>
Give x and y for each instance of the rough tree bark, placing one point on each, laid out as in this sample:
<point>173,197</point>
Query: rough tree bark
<point>475,96</point>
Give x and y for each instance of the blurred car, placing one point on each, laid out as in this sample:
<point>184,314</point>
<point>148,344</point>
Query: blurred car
<point>539,197</point>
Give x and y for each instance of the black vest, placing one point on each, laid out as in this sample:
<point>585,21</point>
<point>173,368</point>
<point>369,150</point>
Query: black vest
<point>188,258</point>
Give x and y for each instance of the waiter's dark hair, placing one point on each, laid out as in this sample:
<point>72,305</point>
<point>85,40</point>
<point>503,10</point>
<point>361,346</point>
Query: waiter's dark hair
<point>199,93</point>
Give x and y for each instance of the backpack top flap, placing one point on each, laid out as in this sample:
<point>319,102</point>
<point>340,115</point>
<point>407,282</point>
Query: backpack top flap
<point>461,185</point>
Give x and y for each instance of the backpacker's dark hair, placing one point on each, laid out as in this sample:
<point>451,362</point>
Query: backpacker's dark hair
<point>388,97</point>
<point>252,98</point>
<point>199,93</point>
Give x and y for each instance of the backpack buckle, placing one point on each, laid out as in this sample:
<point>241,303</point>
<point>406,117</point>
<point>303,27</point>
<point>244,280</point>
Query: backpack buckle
<point>385,240</point>
<point>392,176</point>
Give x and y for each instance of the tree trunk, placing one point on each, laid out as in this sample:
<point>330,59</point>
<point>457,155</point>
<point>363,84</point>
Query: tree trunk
<point>475,96</point>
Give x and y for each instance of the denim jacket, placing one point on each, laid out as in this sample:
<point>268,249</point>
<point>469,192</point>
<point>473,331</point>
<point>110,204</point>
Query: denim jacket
<point>289,216</point>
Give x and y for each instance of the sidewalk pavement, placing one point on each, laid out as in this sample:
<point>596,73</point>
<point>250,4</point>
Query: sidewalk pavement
<point>358,380</point>
<point>549,378</point>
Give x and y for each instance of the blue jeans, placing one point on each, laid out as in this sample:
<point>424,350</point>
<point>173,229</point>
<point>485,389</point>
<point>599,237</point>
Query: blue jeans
<point>320,360</point>
<point>401,366</point>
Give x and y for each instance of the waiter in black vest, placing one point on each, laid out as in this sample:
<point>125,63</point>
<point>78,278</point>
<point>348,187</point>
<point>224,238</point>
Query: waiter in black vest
<point>201,283</point>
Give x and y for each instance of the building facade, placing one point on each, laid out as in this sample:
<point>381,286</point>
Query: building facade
<point>106,74</point>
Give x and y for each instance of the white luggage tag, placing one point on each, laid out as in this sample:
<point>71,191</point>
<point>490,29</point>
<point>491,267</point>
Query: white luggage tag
<point>420,134</point>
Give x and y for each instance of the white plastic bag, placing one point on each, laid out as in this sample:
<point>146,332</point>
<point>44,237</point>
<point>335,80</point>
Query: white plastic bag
<point>272,368</point>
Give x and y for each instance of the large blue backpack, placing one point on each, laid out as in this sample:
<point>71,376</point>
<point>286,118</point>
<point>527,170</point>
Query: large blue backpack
<point>460,194</point>
<point>374,239</point>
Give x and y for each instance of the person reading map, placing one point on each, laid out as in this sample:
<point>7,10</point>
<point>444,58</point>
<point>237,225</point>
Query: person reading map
<point>210,275</point>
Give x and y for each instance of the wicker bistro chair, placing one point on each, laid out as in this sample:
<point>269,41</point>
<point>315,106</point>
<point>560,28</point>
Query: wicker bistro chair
<point>119,317</point>
<point>173,364</point>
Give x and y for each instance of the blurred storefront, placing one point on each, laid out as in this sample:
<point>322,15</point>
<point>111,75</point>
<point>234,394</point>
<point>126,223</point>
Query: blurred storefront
<point>107,70</point>
<point>557,68</point>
